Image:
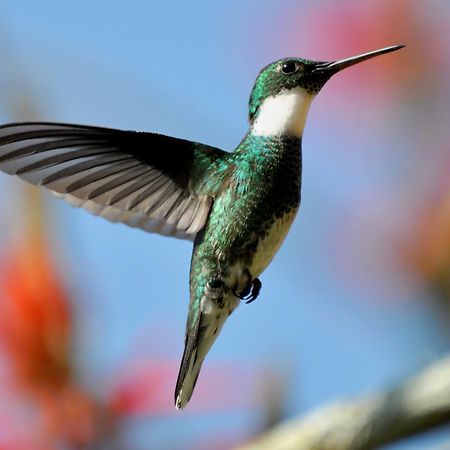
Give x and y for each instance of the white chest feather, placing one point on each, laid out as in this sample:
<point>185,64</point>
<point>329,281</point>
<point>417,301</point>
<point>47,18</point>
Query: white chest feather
<point>269,245</point>
<point>283,114</point>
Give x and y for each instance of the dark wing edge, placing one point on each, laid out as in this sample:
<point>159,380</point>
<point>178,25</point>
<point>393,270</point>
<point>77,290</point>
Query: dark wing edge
<point>136,178</point>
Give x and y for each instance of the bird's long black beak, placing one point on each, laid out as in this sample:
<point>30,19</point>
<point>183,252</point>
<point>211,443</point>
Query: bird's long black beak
<point>330,68</point>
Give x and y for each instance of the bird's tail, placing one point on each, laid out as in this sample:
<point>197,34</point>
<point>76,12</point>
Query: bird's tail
<point>200,336</point>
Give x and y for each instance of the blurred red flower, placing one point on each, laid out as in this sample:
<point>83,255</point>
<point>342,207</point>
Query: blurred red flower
<point>35,333</point>
<point>35,317</point>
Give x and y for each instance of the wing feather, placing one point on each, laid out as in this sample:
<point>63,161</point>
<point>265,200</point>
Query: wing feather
<point>141,179</point>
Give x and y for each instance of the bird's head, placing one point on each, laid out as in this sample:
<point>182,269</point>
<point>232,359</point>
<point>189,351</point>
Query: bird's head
<point>283,91</point>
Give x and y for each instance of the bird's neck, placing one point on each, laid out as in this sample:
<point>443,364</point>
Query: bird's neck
<point>265,151</point>
<point>283,114</point>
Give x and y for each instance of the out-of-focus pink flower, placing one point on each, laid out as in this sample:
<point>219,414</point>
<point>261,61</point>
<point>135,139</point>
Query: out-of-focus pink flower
<point>337,29</point>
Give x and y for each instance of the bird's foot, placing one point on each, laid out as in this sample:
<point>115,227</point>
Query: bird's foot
<point>255,290</point>
<point>251,290</point>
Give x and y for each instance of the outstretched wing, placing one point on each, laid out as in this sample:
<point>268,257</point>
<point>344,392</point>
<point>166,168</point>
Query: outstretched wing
<point>140,179</point>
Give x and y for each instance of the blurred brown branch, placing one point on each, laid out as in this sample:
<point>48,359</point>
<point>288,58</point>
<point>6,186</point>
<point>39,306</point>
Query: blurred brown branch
<point>419,404</point>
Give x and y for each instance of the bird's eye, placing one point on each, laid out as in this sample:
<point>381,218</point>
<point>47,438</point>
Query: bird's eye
<point>289,67</point>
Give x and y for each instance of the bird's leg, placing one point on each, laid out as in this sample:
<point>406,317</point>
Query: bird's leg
<point>251,289</point>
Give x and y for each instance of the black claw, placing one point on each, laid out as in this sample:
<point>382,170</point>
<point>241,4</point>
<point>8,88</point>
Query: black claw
<point>256,289</point>
<point>251,290</point>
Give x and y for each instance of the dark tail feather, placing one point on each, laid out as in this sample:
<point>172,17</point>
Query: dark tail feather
<point>199,340</point>
<point>185,383</point>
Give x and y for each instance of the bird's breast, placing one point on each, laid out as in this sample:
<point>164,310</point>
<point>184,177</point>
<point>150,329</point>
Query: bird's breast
<point>269,242</point>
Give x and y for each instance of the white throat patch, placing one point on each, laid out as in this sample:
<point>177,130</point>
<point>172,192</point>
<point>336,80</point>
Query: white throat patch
<point>283,114</point>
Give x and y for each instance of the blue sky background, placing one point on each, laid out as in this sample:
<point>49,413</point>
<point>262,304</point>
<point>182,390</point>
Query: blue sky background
<point>186,69</point>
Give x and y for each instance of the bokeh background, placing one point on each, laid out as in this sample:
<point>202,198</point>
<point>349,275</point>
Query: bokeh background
<point>93,314</point>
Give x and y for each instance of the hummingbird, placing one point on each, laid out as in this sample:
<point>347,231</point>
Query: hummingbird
<point>236,207</point>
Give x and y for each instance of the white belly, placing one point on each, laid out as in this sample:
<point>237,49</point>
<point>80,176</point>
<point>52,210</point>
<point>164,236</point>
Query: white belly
<point>269,245</point>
